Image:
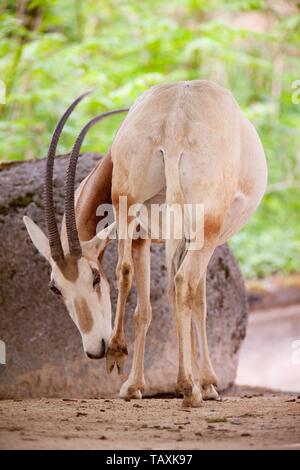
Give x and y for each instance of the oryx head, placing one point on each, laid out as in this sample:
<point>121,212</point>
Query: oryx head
<point>76,273</point>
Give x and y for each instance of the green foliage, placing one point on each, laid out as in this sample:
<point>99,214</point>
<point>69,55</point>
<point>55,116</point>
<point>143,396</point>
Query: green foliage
<point>51,51</point>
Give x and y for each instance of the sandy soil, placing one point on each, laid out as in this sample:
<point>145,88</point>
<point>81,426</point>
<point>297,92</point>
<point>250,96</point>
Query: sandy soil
<point>240,421</point>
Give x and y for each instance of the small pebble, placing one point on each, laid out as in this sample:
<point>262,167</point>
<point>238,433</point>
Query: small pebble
<point>216,420</point>
<point>234,421</point>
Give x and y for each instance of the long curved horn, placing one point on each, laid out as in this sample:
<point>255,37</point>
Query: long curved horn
<point>56,249</point>
<point>72,232</point>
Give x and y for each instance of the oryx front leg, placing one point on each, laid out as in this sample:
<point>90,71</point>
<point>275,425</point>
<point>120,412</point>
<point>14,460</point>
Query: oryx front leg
<point>135,383</point>
<point>117,349</point>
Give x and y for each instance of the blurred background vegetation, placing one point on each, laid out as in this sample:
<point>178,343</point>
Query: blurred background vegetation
<point>53,50</point>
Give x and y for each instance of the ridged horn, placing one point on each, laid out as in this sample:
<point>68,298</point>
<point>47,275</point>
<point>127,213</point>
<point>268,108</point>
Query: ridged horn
<point>56,249</point>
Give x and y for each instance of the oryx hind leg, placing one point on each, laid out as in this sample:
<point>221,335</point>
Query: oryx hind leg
<point>207,377</point>
<point>206,386</point>
<point>190,304</point>
<point>184,290</point>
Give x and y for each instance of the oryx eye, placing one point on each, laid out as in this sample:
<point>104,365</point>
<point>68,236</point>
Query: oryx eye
<point>54,289</point>
<point>96,277</point>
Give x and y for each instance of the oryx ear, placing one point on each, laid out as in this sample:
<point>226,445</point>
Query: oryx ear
<point>38,237</point>
<point>96,245</point>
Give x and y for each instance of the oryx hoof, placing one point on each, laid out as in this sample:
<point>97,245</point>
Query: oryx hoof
<point>192,399</point>
<point>210,393</point>
<point>132,390</point>
<point>116,355</point>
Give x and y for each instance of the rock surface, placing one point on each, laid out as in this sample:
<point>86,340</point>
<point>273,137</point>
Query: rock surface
<point>44,355</point>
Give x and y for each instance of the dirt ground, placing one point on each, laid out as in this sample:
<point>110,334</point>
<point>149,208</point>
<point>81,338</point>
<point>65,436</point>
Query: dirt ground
<point>242,420</point>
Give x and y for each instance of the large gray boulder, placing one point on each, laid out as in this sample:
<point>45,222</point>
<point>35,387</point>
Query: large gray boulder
<point>44,355</point>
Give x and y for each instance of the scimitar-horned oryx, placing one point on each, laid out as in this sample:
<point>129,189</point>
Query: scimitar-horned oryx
<point>185,143</point>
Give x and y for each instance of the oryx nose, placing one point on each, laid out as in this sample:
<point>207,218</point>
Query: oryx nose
<point>101,353</point>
